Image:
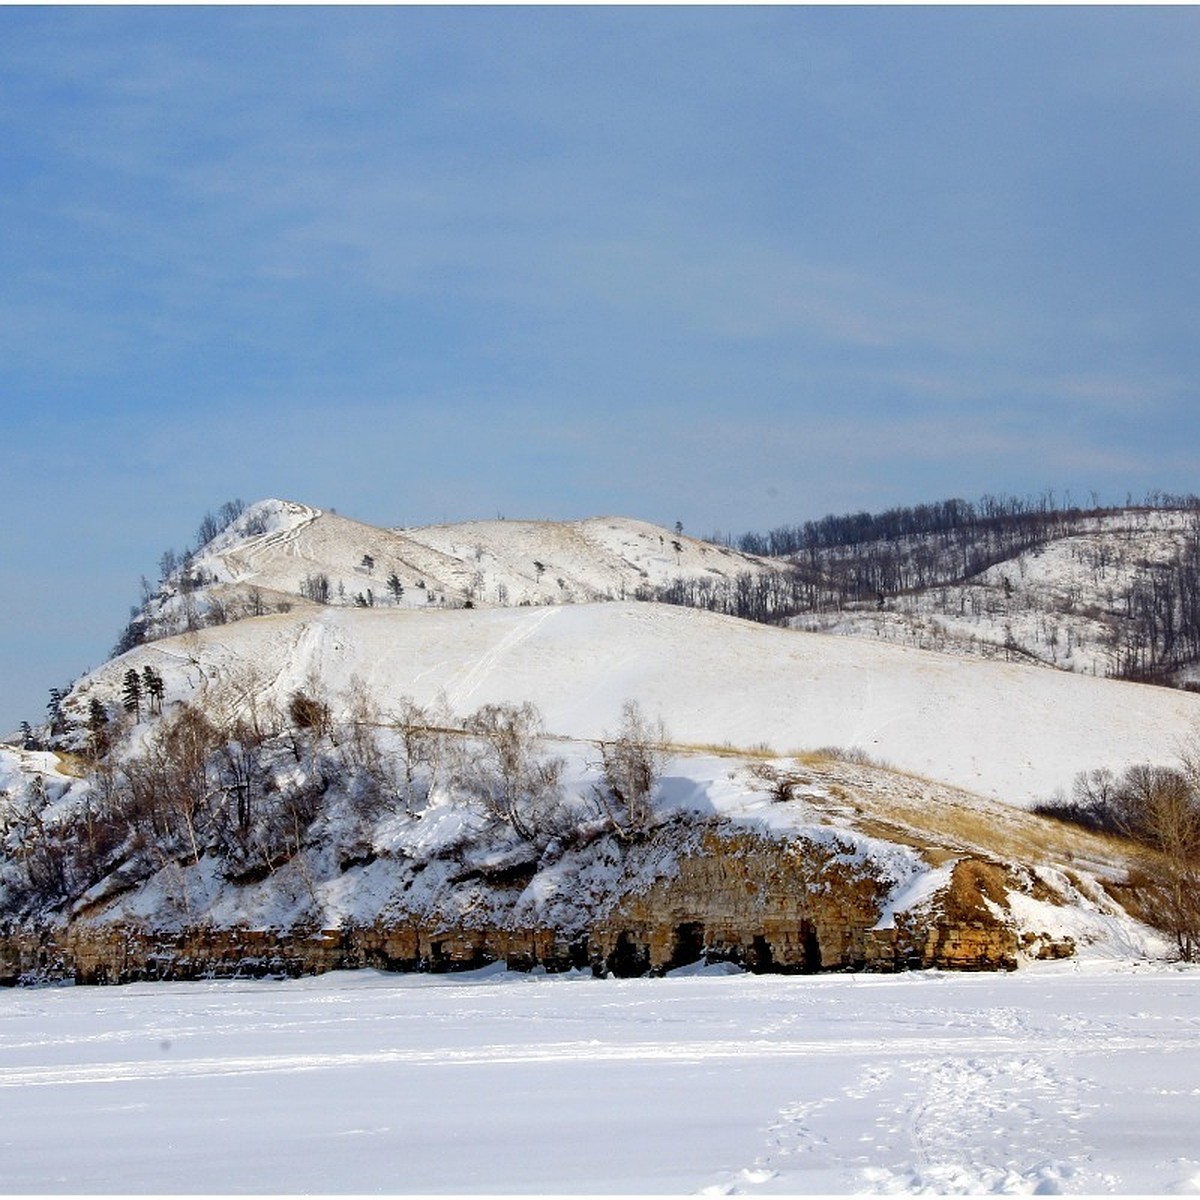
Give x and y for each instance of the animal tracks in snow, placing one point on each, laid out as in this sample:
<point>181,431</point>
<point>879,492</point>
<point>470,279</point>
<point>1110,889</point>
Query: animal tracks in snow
<point>998,1125</point>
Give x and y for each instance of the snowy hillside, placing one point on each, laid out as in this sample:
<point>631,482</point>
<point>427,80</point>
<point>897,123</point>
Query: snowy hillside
<point>535,562</point>
<point>279,554</point>
<point>1109,594</point>
<point>1113,593</point>
<point>322,725</point>
<point>1012,732</point>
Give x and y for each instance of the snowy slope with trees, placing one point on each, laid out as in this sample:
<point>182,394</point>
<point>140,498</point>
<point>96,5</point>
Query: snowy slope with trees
<point>304,750</point>
<point>278,555</point>
<point>1113,593</point>
<point>1004,730</point>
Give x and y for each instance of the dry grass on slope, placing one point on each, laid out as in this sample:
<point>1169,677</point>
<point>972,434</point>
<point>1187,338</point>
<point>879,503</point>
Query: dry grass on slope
<point>943,822</point>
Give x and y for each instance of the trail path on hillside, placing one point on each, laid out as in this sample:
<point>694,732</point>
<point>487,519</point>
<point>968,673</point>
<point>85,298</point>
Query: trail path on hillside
<point>464,687</point>
<point>246,558</point>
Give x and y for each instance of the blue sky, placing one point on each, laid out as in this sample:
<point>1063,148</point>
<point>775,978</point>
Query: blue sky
<point>737,267</point>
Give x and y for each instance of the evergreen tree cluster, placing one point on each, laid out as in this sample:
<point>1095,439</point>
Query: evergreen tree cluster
<point>147,687</point>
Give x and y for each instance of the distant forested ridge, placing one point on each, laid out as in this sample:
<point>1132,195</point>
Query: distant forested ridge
<point>1151,608</point>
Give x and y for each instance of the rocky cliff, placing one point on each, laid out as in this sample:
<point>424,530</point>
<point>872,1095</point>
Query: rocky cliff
<point>798,905</point>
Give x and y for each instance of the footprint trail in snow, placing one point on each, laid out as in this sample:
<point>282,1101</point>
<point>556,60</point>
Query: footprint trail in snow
<point>940,1125</point>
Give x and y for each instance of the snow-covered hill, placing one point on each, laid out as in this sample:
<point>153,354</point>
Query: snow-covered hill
<point>1009,731</point>
<point>279,555</point>
<point>1105,594</point>
<point>900,759</point>
<point>1114,593</point>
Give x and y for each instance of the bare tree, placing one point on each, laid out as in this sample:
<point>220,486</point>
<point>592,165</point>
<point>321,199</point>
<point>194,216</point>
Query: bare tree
<point>170,789</point>
<point>422,748</point>
<point>361,750</point>
<point>242,775</point>
<point>507,773</point>
<point>316,588</point>
<point>1168,819</point>
<point>632,762</point>
<point>1159,808</point>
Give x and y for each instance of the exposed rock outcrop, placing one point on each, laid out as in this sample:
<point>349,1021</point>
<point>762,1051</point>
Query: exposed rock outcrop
<point>770,906</point>
<point>800,905</point>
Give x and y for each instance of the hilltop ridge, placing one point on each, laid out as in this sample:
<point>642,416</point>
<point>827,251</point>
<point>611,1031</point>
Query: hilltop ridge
<point>279,554</point>
<point>1105,592</point>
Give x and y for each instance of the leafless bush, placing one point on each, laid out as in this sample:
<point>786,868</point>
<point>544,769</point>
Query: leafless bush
<point>632,763</point>
<point>504,770</point>
<point>309,713</point>
<point>781,782</point>
<point>1159,808</point>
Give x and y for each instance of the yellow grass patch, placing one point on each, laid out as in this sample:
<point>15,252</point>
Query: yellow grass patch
<point>75,765</point>
<point>936,819</point>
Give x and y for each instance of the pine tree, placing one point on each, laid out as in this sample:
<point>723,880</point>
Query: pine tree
<point>58,720</point>
<point>395,586</point>
<point>131,694</point>
<point>153,687</point>
<point>97,728</point>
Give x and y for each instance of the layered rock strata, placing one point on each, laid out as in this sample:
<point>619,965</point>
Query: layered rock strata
<point>797,906</point>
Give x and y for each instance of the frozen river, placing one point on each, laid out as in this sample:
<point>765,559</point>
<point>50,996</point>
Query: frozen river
<point>1071,1078</point>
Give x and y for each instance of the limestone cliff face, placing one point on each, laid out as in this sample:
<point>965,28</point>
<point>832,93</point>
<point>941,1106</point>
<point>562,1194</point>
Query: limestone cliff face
<point>795,906</point>
<point>770,906</point>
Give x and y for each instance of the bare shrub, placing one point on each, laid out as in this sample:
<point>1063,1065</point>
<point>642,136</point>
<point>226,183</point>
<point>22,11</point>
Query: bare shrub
<point>780,782</point>
<point>309,713</point>
<point>1094,803</point>
<point>1159,808</point>
<point>506,773</point>
<point>854,756</point>
<point>632,763</point>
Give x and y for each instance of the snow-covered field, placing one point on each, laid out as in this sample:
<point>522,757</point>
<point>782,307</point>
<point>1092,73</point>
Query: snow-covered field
<point>1080,1077</point>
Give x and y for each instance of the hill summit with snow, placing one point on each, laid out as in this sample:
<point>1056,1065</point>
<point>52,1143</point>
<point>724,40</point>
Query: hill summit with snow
<point>279,554</point>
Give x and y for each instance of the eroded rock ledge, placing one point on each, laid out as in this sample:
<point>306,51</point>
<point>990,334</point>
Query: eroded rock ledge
<point>796,906</point>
